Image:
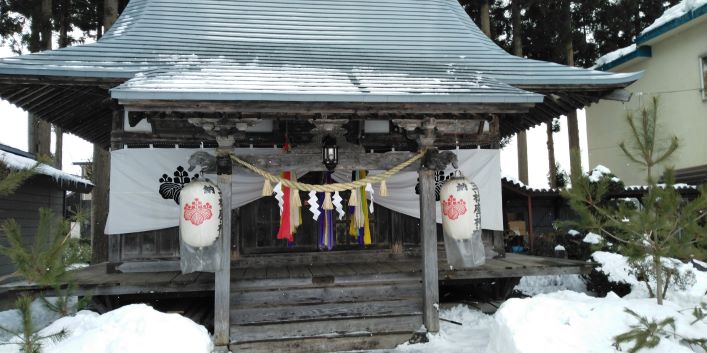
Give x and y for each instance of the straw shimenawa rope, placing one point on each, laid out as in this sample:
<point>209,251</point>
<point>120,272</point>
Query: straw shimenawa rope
<point>329,187</point>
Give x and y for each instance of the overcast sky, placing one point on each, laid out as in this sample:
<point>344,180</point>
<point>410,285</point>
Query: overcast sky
<point>13,132</point>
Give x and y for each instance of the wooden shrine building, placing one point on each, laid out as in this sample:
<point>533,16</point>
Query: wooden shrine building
<point>241,74</point>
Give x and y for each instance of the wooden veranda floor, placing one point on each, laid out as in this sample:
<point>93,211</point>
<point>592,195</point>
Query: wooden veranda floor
<point>94,280</point>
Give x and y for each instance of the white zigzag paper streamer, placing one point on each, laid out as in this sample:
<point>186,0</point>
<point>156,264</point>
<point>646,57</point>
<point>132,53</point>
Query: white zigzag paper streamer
<point>336,200</point>
<point>313,206</point>
<point>279,196</point>
<point>369,188</point>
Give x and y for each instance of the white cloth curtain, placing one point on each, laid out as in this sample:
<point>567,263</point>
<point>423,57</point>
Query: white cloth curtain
<point>482,167</point>
<point>136,204</point>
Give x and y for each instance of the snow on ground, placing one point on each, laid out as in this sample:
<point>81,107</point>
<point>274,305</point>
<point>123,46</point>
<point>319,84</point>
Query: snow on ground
<point>560,320</point>
<point>10,320</point>
<point>134,328</point>
<point>534,285</point>
<point>472,336</point>
<point>615,266</point>
<point>575,322</point>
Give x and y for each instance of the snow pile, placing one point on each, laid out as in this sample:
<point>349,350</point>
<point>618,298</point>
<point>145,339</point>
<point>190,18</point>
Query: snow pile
<point>16,162</point>
<point>592,238</point>
<point>534,285</point>
<point>614,55</point>
<point>616,268</point>
<point>574,322</point>
<point>472,336</point>
<point>573,232</point>
<point>134,328</point>
<point>674,12</point>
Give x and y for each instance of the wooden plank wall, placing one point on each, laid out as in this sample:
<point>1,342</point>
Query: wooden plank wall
<point>23,206</point>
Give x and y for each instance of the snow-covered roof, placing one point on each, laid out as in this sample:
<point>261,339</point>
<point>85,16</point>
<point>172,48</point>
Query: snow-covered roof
<point>684,7</point>
<point>405,82</point>
<point>20,162</point>
<point>630,190</point>
<point>407,53</point>
<point>674,17</point>
<point>399,40</point>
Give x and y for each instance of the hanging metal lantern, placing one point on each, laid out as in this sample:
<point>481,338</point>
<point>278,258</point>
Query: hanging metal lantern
<point>200,213</point>
<point>461,222</point>
<point>330,153</point>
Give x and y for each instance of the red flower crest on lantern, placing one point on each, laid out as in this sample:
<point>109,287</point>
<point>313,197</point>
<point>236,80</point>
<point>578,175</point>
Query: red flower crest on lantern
<point>196,212</point>
<point>453,208</point>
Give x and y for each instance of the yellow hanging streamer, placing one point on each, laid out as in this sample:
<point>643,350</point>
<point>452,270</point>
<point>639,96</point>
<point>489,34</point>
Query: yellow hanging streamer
<point>364,214</point>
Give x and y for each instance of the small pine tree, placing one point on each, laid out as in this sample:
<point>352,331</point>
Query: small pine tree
<point>664,226</point>
<point>42,262</point>
<point>30,341</point>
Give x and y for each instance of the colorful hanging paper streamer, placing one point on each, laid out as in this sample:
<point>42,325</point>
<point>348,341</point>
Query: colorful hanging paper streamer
<point>359,226</point>
<point>327,223</point>
<point>291,216</point>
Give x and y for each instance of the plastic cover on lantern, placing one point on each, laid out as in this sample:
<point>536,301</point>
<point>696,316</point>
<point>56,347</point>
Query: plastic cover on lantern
<point>461,222</point>
<point>200,218</point>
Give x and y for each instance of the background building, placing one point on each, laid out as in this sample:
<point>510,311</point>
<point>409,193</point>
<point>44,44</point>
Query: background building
<point>672,52</point>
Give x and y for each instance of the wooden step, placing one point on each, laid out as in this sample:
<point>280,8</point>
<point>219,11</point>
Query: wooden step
<point>362,342</point>
<point>295,313</point>
<point>325,294</point>
<point>406,324</point>
<point>323,281</point>
<point>317,258</point>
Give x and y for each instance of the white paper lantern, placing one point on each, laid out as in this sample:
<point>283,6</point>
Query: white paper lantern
<point>200,213</point>
<point>461,215</point>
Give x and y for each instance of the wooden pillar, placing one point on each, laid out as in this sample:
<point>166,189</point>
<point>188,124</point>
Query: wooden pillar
<point>59,148</point>
<point>222,286</point>
<point>573,133</point>
<point>522,148</point>
<point>531,232</point>
<point>100,197</point>
<point>99,204</point>
<point>38,136</point>
<point>428,235</point>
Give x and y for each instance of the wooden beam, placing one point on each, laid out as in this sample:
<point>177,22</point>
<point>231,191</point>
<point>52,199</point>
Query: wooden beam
<point>106,82</point>
<point>353,108</point>
<point>347,161</point>
<point>222,285</point>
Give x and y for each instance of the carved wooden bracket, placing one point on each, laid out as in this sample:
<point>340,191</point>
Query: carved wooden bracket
<point>436,160</point>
